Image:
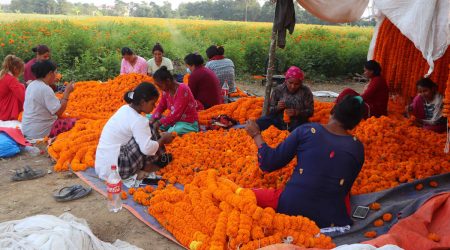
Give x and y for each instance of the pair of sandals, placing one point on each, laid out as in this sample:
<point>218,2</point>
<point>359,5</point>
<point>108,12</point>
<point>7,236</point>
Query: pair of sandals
<point>64,194</point>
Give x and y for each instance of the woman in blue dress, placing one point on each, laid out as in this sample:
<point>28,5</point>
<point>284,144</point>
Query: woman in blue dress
<point>329,159</point>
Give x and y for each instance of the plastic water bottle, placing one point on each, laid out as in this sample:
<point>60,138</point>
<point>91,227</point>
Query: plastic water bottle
<point>225,90</point>
<point>114,188</point>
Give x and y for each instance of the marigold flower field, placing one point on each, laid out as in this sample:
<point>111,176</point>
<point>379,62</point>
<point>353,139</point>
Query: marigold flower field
<point>87,48</point>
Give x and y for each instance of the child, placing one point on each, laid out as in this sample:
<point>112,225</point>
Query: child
<point>178,98</point>
<point>126,139</point>
<point>427,106</point>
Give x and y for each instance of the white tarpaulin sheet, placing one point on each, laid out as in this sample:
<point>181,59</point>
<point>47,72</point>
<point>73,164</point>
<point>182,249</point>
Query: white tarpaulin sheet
<point>48,232</point>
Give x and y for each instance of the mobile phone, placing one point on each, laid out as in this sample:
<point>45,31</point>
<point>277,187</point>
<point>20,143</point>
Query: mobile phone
<point>151,181</point>
<point>361,212</point>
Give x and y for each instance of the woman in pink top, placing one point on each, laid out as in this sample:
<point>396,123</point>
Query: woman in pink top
<point>132,63</point>
<point>12,92</point>
<point>176,97</point>
<point>42,54</point>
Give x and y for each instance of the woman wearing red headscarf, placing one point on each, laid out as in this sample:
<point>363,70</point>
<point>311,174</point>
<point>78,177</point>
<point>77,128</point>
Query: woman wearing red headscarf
<point>292,99</point>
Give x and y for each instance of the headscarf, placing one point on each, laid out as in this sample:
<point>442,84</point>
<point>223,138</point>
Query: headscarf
<point>295,72</point>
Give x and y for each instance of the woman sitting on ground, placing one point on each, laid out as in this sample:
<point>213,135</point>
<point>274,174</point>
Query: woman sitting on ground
<point>42,108</point>
<point>42,54</point>
<point>427,107</point>
<point>292,99</point>
<point>132,63</point>
<point>12,92</point>
<point>158,60</point>
<point>177,98</point>
<point>127,141</point>
<point>329,159</point>
<point>376,93</point>
<point>221,66</point>
<point>204,84</point>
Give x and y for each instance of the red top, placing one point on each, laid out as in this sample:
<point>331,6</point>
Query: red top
<point>12,96</point>
<point>205,86</point>
<point>377,96</point>
<point>182,107</point>
<point>27,74</point>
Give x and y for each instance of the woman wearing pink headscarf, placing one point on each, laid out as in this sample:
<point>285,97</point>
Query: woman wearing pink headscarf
<point>292,98</point>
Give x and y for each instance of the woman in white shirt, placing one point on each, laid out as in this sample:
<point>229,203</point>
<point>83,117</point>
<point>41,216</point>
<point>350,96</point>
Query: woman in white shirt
<point>126,140</point>
<point>158,60</point>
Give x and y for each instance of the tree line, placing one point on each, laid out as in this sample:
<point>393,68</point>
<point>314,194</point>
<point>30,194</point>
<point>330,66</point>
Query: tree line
<point>232,10</point>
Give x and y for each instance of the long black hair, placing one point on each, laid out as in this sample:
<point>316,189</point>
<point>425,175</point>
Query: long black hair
<point>349,112</point>
<point>373,66</point>
<point>127,51</point>
<point>163,74</point>
<point>426,83</point>
<point>194,59</point>
<point>144,91</point>
<point>41,49</point>
<point>158,47</point>
<point>41,68</point>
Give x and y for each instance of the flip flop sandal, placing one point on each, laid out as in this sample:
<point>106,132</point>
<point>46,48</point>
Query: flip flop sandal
<point>27,173</point>
<point>71,193</point>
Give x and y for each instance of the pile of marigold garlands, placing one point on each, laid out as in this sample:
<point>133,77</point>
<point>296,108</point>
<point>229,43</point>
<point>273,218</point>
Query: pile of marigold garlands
<point>394,149</point>
<point>213,212</point>
<point>395,152</point>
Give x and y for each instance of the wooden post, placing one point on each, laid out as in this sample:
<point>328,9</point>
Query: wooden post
<point>269,73</point>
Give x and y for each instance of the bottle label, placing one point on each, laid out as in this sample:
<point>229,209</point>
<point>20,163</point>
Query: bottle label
<point>114,188</point>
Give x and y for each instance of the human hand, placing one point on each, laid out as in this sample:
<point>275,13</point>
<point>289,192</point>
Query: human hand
<point>281,105</point>
<point>166,138</point>
<point>142,175</point>
<point>69,88</point>
<point>252,128</point>
<point>156,124</point>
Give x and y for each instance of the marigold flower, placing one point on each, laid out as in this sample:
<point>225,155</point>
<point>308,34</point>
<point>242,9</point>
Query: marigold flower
<point>378,223</point>
<point>370,234</point>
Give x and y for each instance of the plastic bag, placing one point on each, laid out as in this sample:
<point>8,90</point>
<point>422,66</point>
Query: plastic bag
<point>8,147</point>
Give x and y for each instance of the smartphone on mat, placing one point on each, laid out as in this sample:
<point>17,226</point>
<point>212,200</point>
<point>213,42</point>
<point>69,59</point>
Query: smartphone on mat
<point>361,212</point>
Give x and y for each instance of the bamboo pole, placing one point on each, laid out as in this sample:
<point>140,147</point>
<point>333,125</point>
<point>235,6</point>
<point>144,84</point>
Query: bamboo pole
<point>269,73</point>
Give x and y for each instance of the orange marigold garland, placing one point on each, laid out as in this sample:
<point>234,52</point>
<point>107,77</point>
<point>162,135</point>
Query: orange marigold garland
<point>99,100</point>
<point>215,213</point>
<point>403,64</point>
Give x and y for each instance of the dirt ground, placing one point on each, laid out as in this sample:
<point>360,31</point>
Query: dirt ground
<point>23,199</point>
<point>27,198</point>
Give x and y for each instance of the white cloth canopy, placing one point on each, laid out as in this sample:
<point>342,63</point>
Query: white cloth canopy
<point>341,11</point>
<point>48,232</point>
<point>425,22</point>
